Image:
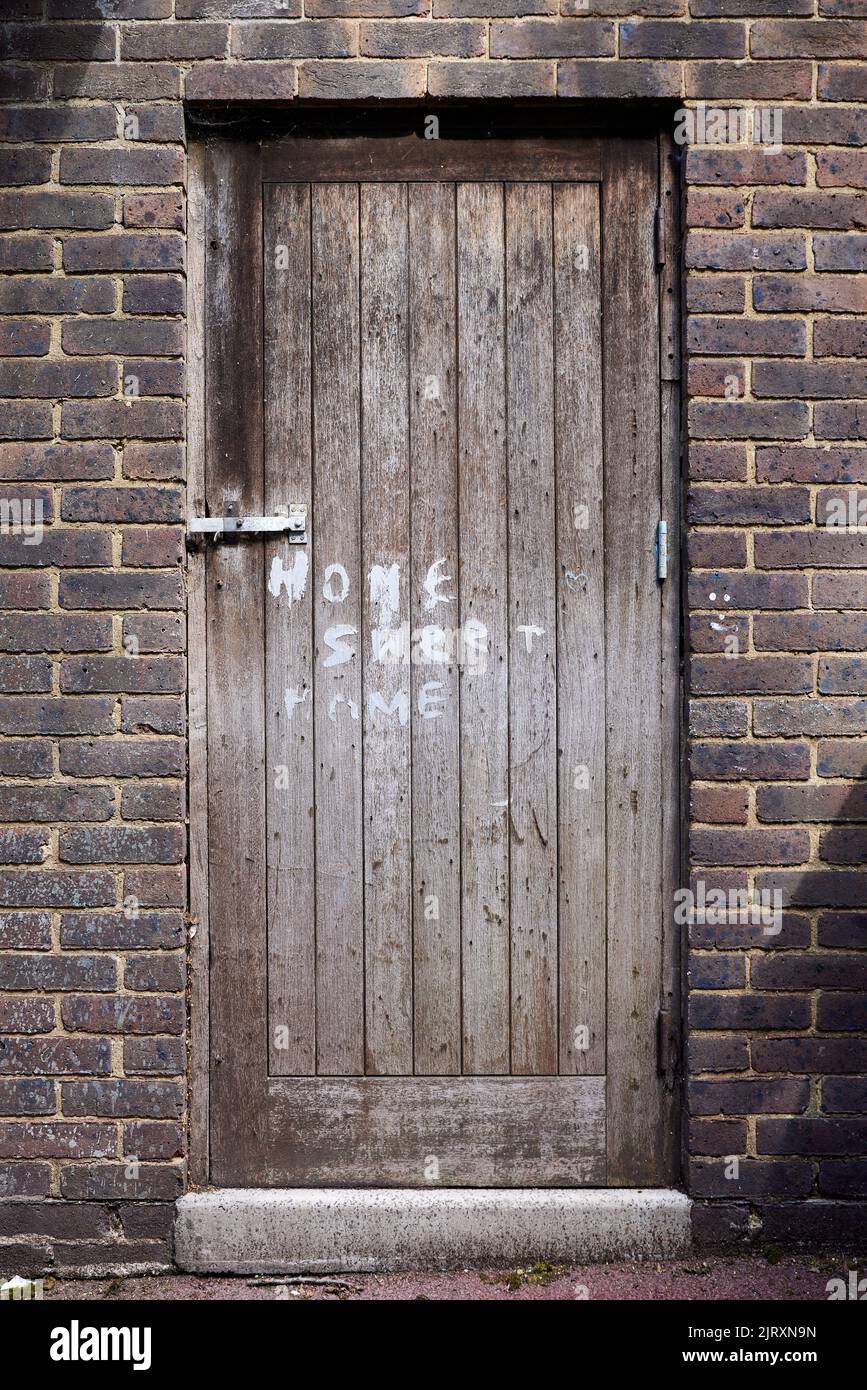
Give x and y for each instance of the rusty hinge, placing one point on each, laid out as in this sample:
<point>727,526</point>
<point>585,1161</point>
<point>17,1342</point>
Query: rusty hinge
<point>667,1047</point>
<point>660,236</point>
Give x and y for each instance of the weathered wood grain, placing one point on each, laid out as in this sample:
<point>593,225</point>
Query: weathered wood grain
<point>236,648</point>
<point>386,544</point>
<point>580,628</point>
<point>532,628</point>
<point>337,606</point>
<point>435,709</point>
<point>289,680</point>
<point>633,675</point>
<point>426,1131</point>
<point>484,598</point>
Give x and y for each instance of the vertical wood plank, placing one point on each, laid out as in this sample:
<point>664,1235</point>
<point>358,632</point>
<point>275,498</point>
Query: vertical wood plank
<point>484,684</point>
<point>632,503</point>
<point>338,595</point>
<point>386,545</point>
<point>197,692</point>
<point>288,640</point>
<point>532,628</point>
<point>435,578</point>
<point>673,774</point>
<point>580,628</point>
<point>235,622</point>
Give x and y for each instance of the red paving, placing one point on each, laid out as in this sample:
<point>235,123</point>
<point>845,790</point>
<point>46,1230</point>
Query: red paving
<point>745,1277</point>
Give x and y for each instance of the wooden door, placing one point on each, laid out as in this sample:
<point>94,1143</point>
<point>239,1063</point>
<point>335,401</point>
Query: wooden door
<point>435,731</point>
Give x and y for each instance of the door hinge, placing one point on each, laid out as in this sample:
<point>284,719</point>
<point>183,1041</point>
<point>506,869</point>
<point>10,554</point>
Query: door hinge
<point>662,550</point>
<point>667,1047</point>
<point>660,236</point>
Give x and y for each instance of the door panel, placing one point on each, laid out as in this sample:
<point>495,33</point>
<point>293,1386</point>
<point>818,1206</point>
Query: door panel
<point>446,921</point>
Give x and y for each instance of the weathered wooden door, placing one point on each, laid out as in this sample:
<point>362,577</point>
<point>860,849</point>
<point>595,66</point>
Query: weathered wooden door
<point>437,763</point>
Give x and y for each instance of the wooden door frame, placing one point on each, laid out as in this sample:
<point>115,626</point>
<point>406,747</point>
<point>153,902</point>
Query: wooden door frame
<point>673,837</point>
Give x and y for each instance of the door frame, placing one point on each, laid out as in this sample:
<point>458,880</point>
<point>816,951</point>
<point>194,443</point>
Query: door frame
<point>673,961</point>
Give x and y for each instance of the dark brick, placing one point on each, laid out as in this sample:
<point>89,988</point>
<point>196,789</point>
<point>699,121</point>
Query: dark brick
<point>25,1016</point>
<point>58,973</point>
<point>737,420</point>
<point>121,931</point>
<point>124,251</point>
<point>52,632</point>
<point>746,1011</point>
<point>241,81</point>
<point>154,42</point>
<point>156,337</point>
<point>55,802</point>
<point>745,251</point>
<point>126,589</point>
<point>55,1056</point>
<point>138,674</point>
<point>49,294</point>
<point>673,39</point>
<point>370,78</point>
<point>123,1014</point>
<point>313,39</point>
<point>730,336</point>
<point>56,888</point>
<point>738,166</point>
<point>120,1181</point>
<point>158,801</point>
<point>26,252</point>
<point>56,462</point>
<point>56,716</point>
<point>56,1140</point>
<point>54,123</point>
<point>738,761</point>
<point>718,675</point>
<point>748,846</point>
<point>474,80</point>
<point>46,44</point>
<point>153,294</point>
<point>755,1178</point>
<point>148,165</point>
<point>25,931</point>
<point>122,1098</point>
<point>55,209</point>
<point>157,887</point>
<point>23,338</point>
<point>787,1096</point>
<point>154,1056</point>
<point>153,1139</point>
<point>160,973</point>
<point>122,757</point>
<point>811,1135</point>
<point>154,210</point>
<point>808,38</point>
<point>118,81</point>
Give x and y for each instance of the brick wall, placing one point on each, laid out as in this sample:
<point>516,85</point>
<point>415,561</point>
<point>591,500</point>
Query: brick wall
<point>92,752</point>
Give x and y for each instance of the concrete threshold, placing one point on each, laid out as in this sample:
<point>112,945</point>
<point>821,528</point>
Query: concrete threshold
<point>369,1230</point>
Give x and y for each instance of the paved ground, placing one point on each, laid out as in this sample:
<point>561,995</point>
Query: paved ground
<point>769,1276</point>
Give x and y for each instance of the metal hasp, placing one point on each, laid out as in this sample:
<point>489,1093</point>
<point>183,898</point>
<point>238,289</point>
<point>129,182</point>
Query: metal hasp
<point>662,550</point>
<point>294,524</point>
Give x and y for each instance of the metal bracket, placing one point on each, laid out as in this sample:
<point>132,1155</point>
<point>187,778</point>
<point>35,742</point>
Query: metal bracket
<point>662,550</point>
<point>667,1048</point>
<point>293,524</point>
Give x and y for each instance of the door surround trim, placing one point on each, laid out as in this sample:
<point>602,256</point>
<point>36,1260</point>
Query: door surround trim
<point>199,1061</point>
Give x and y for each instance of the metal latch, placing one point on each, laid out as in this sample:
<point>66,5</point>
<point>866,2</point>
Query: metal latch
<point>662,550</point>
<point>294,524</point>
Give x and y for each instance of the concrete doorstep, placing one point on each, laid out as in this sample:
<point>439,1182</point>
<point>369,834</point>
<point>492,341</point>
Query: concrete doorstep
<point>331,1230</point>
